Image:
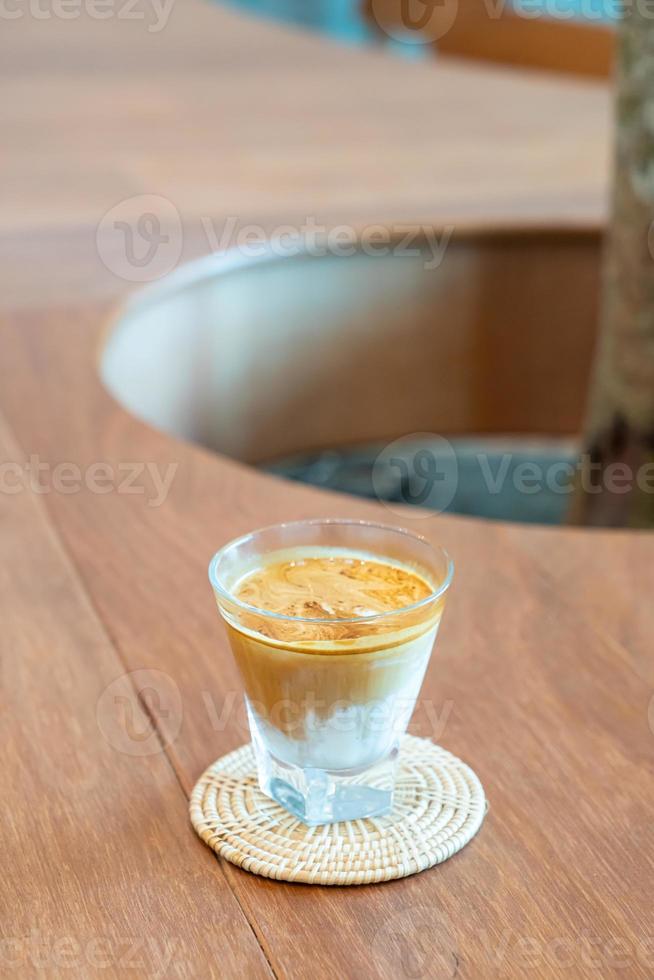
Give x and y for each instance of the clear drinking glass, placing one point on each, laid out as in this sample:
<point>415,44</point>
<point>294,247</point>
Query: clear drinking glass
<point>328,700</point>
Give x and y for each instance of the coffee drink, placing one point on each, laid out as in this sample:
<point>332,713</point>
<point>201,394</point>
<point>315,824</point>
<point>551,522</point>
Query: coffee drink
<point>332,645</point>
<point>331,623</point>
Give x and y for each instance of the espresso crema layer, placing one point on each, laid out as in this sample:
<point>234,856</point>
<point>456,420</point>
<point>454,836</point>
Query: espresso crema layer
<point>332,587</point>
<point>332,597</point>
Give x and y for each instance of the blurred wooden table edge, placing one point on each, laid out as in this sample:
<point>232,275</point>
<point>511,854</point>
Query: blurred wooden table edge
<point>213,111</point>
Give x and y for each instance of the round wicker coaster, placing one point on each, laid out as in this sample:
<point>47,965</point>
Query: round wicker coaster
<point>439,806</point>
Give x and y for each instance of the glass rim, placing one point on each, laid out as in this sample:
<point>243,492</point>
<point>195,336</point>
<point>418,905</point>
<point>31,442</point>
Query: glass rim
<point>322,521</point>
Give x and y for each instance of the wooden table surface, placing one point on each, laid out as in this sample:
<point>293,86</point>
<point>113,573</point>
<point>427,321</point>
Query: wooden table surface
<point>117,682</point>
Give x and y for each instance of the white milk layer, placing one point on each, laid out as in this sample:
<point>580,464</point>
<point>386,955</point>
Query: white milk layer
<point>352,736</point>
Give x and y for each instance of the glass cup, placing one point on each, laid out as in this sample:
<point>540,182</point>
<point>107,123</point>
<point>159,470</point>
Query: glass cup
<point>328,700</point>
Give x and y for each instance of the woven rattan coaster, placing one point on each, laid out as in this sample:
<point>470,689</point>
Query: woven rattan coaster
<point>439,806</point>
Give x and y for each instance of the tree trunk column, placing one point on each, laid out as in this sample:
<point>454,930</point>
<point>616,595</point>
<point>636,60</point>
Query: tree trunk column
<point>617,481</point>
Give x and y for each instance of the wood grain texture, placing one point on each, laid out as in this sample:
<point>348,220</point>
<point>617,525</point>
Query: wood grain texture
<point>542,698</point>
<point>227,116</point>
<point>542,679</point>
<point>94,879</point>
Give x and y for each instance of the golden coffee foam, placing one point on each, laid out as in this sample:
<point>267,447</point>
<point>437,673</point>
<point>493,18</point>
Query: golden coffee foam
<point>319,650</point>
<point>331,587</point>
<point>337,587</point>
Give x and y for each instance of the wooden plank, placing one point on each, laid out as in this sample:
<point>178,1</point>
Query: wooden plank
<point>98,111</point>
<point>548,710</point>
<point>588,577</point>
<point>94,880</point>
<point>538,679</point>
<point>479,30</point>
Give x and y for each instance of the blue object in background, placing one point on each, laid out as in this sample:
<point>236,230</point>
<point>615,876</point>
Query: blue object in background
<point>341,19</point>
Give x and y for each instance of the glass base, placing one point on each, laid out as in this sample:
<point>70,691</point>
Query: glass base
<point>318,796</point>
